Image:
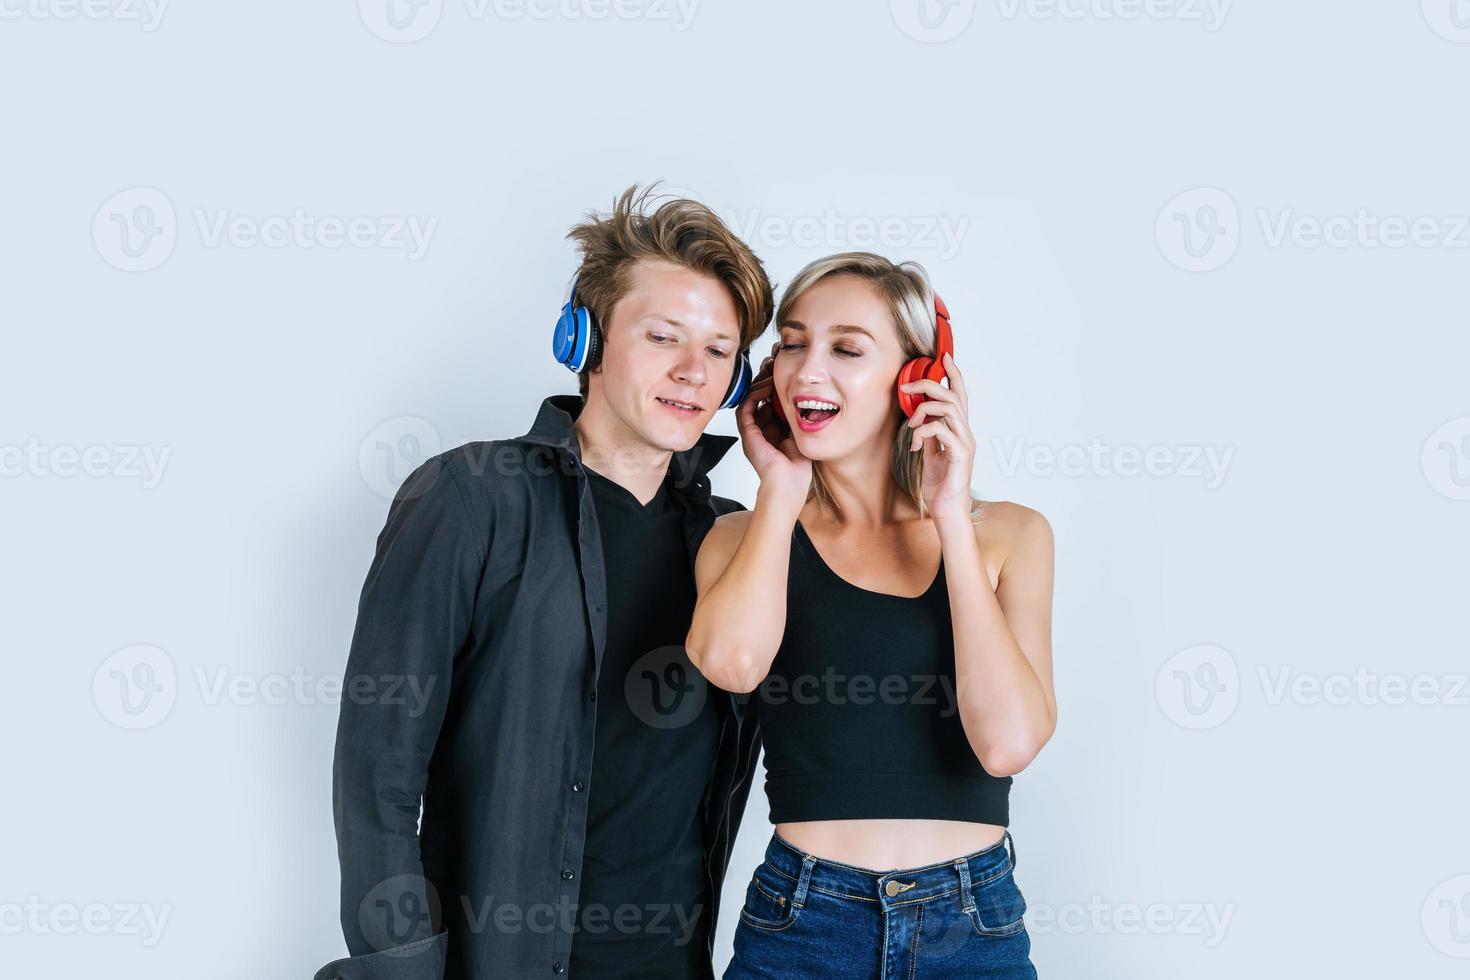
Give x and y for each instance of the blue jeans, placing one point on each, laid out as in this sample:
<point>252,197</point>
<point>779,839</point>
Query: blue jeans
<point>806,916</point>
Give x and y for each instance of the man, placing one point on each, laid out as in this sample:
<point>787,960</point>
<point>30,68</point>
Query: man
<point>527,603</point>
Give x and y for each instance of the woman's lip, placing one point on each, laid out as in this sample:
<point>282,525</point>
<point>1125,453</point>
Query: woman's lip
<point>806,426</point>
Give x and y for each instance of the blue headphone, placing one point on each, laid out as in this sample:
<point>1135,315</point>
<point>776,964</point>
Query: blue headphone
<point>576,344</point>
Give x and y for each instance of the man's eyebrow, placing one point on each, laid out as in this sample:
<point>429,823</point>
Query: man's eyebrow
<point>835,328</point>
<point>722,335</point>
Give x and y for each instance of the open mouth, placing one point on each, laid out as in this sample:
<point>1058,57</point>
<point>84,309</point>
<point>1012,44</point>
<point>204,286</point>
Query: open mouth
<point>683,408</point>
<point>814,413</point>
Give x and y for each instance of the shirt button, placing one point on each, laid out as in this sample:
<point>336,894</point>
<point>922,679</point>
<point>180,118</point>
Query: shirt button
<point>557,967</point>
<point>566,874</point>
<point>577,787</point>
<point>593,697</point>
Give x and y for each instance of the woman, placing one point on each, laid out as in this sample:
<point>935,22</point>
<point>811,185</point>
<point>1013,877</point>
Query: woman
<point>897,633</point>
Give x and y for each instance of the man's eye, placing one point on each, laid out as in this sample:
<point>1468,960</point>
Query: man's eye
<point>717,352</point>
<point>659,337</point>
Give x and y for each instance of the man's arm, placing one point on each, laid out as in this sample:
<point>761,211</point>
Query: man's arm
<point>413,617</point>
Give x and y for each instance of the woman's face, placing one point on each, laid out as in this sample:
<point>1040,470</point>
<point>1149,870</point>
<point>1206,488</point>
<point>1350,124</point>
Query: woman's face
<point>839,347</point>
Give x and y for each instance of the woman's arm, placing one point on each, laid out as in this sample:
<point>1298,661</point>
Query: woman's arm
<point>1002,636</point>
<point>1002,640</point>
<point>741,569</point>
<point>743,561</point>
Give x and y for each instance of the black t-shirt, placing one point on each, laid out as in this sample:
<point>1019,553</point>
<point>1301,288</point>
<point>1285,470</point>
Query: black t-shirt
<point>644,903</point>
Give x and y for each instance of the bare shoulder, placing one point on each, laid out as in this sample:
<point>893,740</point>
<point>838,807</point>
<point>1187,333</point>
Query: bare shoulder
<point>1010,530</point>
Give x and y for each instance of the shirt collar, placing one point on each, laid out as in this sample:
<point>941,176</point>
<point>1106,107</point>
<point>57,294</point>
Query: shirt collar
<point>553,427</point>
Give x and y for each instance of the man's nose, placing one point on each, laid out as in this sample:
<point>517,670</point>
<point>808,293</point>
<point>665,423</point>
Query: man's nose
<point>690,368</point>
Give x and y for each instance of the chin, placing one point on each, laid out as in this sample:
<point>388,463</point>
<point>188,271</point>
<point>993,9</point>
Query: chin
<point>817,449</point>
<point>673,436</point>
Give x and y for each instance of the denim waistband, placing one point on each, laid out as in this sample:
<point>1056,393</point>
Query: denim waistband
<point>890,889</point>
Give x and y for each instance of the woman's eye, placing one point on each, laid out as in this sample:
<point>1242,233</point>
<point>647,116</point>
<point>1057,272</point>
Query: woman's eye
<point>717,352</point>
<point>659,338</point>
<point>789,346</point>
<point>849,352</point>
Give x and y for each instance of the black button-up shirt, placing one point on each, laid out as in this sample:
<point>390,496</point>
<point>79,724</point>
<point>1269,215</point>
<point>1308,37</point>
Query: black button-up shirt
<point>471,686</point>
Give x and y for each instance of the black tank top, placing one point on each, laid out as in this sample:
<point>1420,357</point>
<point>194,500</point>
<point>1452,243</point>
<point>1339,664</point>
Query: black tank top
<point>859,711</point>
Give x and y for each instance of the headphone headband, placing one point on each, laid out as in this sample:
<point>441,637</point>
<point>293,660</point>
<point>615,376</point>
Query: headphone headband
<point>944,340</point>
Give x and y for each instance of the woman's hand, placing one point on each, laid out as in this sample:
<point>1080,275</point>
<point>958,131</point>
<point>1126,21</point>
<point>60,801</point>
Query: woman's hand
<point>941,428</point>
<point>768,443</point>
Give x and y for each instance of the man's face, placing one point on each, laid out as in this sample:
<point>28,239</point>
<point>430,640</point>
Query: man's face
<point>671,344</point>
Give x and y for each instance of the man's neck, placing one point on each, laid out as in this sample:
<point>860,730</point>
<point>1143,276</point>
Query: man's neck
<point>615,451</point>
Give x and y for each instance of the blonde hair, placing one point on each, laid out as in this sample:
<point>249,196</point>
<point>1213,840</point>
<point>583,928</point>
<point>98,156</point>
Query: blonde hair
<point>906,289</point>
<point>679,230</point>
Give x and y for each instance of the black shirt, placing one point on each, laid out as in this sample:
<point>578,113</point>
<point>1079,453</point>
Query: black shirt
<point>859,712</point>
<point>644,909</point>
<point>471,686</point>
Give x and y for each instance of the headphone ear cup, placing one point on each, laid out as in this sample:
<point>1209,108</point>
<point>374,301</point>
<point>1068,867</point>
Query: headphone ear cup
<point>587,327</point>
<point>912,371</point>
<point>564,338</point>
<point>739,383</point>
<point>575,344</point>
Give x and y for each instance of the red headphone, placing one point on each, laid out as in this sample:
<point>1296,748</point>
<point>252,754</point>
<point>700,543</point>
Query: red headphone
<point>915,370</point>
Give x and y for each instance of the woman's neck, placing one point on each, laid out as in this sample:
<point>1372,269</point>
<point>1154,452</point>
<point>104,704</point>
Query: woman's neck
<point>865,491</point>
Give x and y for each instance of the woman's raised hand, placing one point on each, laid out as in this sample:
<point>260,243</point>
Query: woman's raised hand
<point>767,441</point>
<point>941,428</point>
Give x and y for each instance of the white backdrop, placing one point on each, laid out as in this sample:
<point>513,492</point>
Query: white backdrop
<point>1208,266</point>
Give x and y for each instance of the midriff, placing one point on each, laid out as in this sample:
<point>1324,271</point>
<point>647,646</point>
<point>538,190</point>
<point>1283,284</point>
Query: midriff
<point>890,844</point>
